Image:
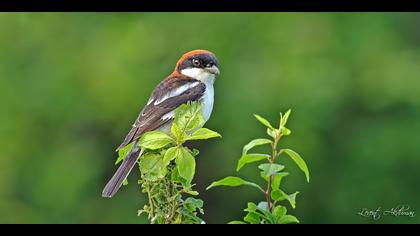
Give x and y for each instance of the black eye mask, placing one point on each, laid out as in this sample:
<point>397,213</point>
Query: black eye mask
<point>203,59</point>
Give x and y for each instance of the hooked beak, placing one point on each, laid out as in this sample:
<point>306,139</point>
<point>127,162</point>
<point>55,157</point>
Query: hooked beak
<point>213,70</point>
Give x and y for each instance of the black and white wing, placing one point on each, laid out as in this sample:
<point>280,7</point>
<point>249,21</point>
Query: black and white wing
<point>167,96</point>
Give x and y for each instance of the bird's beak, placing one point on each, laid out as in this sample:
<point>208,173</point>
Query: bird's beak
<point>213,70</point>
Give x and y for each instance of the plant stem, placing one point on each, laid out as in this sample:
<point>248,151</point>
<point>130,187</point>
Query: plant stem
<point>172,194</point>
<point>267,195</point>
<point>270,179</point>
<point>148,190</point>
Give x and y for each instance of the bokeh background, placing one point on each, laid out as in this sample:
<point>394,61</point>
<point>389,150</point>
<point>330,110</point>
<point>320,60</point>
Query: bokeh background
<point>71,84</point>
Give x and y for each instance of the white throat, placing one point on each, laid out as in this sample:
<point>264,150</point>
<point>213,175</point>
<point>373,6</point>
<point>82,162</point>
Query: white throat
<point>199,74</point>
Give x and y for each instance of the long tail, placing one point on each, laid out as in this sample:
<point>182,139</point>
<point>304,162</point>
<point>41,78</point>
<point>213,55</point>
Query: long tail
<point>125,168</point>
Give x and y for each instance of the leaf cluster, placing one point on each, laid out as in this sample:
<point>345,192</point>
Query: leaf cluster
<point>167,167</point>
<point>272,172</point>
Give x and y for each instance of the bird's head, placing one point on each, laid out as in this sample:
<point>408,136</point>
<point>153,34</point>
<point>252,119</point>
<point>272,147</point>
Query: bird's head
<point>198,64</point>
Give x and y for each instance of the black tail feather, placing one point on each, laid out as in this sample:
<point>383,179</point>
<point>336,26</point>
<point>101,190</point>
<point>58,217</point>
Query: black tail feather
<point>125,168</point>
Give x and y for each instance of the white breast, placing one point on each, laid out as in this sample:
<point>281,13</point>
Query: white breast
<point>208,79</point>
<point>208,100</point>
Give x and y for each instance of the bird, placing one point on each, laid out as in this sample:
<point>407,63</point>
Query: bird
<point>192,80</point>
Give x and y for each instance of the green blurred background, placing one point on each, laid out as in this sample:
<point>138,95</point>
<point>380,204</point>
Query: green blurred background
<point>71,84</point>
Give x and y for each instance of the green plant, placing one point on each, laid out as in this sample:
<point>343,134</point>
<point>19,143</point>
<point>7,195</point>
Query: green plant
<point>268,211</point>
<point>167,168</point>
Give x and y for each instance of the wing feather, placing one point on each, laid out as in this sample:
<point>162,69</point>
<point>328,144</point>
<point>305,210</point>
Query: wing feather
<point>167,96</point>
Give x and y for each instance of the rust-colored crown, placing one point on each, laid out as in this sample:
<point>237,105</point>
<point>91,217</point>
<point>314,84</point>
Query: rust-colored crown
<point>192,53</point>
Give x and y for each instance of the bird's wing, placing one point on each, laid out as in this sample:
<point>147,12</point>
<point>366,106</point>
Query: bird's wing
<point>167,96</point>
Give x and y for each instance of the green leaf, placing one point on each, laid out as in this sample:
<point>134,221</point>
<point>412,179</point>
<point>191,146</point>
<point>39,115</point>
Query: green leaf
<point>292,199</point>
<point>279,195</point>
<point>232,181</point>
<point>299,161</point>
<point>285,131</point>
<point>185,163</point>
<point>195,152</point>
<point>251,207</point>
<point>186,184</point>
<point>190,218</point>
<point>269,169</point>
<point>152,167</point>
<point>139,212</point>
<point>175,176</point>
<point>263,207</point>
<point>192,204</point>
<point>154,140</point>
<point>252,218</point>
<point>287,219</point>
<point>279,212</point>
<point>171,154</point>
<point>254,143</point>
<point>285,118</point>
<point>189,116</point>
<point>176,132</point>
<point>249,158</point>
<point>263,121</point>
<point>149,162</point>
<point>236,222</point>
<point>203,133</point>
<point>271,132</point>
<point>125,182</point>
<point>277,180</point>
<point>123,152</point>
<point>191,192</point>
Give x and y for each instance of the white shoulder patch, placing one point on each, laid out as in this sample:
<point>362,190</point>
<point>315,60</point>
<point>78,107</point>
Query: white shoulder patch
<point>176,92</point>
<point>168,115</point>
<point>151,99</point>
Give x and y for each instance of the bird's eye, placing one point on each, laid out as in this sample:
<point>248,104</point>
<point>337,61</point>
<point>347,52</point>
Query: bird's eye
<point>196,62</point>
